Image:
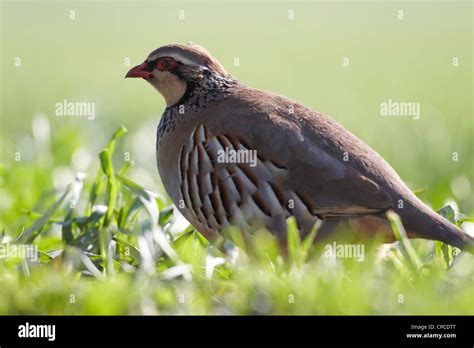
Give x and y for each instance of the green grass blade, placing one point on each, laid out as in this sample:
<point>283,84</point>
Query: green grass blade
<point>105,238</point>
<point>308,242</point>
<point>32,232</point>
<point>401,236</point>
<point>66,228</point>
<point>106,163</point>
<point>294,241</point>
<point>448,213</point>
<point>96,186</point>
<point>111,145</point>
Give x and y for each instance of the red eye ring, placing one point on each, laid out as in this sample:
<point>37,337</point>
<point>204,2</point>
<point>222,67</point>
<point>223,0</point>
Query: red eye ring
<point>166,64</point>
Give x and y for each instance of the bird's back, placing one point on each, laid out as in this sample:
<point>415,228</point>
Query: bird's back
<point>300,171</point>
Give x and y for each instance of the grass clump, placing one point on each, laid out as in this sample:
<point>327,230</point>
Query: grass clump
<point>110,246</point>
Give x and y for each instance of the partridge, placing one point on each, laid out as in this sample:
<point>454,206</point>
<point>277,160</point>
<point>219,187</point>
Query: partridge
<point>229,154</point>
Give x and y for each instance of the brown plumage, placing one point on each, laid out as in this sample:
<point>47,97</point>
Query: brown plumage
<point>306,164</point>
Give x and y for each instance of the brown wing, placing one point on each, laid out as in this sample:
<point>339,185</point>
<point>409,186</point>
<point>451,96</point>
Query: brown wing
<point>315,168</point>
<point>307,166</point>
<point>268,187</point>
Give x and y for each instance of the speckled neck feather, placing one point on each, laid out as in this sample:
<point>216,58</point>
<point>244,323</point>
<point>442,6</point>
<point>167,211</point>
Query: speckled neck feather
<point>211,88</point>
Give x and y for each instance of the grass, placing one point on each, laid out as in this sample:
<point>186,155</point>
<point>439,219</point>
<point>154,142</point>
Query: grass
<point>107,246</point>
<point>107,235</point>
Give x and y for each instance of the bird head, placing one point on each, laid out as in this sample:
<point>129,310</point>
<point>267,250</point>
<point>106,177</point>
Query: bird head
<point>176,70</point>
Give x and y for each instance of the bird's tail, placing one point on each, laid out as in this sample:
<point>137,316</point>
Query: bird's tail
<point>424,222</point>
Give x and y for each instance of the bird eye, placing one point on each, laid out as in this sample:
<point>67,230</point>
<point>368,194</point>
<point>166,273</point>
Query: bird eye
<point>166,64</point>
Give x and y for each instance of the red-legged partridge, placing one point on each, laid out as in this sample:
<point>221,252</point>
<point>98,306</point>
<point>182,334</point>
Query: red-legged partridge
<point>229,154</point>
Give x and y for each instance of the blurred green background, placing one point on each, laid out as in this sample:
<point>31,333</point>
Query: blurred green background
<point>85,58</point>
<point>409,59</point>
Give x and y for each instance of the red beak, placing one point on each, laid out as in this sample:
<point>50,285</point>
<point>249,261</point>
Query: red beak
<point>139,71</point>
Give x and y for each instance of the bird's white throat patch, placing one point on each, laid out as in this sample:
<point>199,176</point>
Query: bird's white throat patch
<point>169,85</point>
